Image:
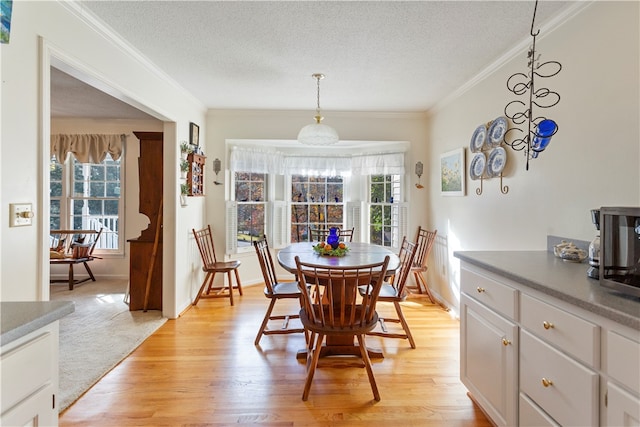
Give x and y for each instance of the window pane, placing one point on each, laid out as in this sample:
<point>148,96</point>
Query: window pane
<point>314,204</point>
<point>97,173</point>
<point>250,223</point>
<point>96,189</point>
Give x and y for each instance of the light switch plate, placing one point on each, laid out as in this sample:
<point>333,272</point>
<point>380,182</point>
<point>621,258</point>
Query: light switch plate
<point>20,214</point>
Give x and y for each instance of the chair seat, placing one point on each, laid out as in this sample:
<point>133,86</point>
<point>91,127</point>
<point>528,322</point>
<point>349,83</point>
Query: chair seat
<point>222,266</point>
<point>387,293</point>
<point>284,290</point>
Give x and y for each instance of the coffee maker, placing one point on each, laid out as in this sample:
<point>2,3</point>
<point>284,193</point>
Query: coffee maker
<point>594,247</point>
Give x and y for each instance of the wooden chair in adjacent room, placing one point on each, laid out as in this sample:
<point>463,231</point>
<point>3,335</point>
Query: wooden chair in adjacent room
<point>275,291</point>
<point>394,292</point>
<point>424,241</point>
<point>320,234</point>
<point>211,266</point>
<point>339,312</point>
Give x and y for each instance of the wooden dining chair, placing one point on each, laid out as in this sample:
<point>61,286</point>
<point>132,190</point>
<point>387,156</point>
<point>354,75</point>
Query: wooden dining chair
<point>338,311</point>
<point>394,292</point>
<point>275,291</point>
<point>320,234</point>
<point>211,266</point>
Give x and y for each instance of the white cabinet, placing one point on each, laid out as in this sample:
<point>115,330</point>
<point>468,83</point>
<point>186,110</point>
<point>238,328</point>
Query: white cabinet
<point>489,349</point>
<point>622,366</point>
<point>530,359</point>
<point>29,367</point>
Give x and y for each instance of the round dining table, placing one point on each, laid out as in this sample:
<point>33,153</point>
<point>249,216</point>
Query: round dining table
<point>359,254</point>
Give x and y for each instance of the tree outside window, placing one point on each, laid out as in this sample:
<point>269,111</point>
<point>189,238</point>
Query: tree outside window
<point>316,202</point>
<point>384,196</point>
<point>251,203</point>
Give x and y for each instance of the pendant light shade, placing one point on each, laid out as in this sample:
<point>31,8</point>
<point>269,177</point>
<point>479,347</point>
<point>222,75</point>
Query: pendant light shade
<point>318,133</point>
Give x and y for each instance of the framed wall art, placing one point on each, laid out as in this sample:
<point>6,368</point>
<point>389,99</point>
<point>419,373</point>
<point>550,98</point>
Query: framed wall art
<point>194,134</point>
<point>452,173</point>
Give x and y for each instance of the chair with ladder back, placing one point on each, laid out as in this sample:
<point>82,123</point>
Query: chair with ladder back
<point>394,292</point>
<point>275,291</point>
<point>211,266</point>
<point>331,308</point>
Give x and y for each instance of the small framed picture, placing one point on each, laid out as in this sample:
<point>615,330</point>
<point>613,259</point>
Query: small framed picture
<point>452,173</point>
<point>194,134</point>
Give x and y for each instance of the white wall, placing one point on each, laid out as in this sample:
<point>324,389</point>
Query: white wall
<point>593,161</point>
<point>45,32</point>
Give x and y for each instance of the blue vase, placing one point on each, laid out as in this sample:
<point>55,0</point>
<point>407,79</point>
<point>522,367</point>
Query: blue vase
<point>334,237</point>
<point>543,133</point>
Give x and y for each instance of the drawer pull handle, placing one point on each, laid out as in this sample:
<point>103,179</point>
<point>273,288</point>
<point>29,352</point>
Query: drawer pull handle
<point>546,382</point>
<point>505,342</point>
<point>480,290</point>
<point>547,325</point>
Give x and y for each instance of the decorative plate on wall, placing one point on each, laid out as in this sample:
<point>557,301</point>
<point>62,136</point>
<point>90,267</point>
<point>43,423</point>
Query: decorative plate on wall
<point>478,139</point>
<point>496,132</point>
<point>497,161</point>
<point>477,166</point>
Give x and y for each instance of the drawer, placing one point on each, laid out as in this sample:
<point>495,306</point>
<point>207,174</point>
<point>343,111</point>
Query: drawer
<point>496,295</point>
<point>560,386</point>
<point>623,360</point>
<point>571,334</point>
<point>532,416</point>
<point>25,369</point>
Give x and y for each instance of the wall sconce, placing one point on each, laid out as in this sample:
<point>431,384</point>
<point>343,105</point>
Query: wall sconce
<point>419,167</point>
<point>217,165</point>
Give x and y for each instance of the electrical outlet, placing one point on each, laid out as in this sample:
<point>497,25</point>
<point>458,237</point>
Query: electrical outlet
<point>20,214</point>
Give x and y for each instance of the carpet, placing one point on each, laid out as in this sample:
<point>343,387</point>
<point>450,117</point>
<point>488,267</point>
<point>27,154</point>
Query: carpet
<point>98,335</point>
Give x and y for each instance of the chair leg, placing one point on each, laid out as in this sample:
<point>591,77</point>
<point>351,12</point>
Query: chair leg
<point>311,369</point>
<point>265,321</point>
<point>404,324</point>
<point>86,266</point>
<point>238,281</point>
<point>423,281</point>
<point>204,283</point>
<point>230,287</point>
<point>367,365</point>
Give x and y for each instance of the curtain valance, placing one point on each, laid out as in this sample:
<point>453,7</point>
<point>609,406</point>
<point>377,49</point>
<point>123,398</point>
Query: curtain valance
<point>378,164</point>
<point>87,148</point>
<point>244,159</point>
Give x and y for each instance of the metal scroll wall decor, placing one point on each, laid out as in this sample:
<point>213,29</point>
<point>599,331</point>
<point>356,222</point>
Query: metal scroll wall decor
<point>531,133</point>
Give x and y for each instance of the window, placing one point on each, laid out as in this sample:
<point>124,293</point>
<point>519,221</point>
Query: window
<point>88,197</point>
<point>384,210</point>
<point>316,202</point>
<point>250,195</point>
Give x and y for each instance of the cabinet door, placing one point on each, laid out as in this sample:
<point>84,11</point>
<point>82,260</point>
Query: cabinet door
<point>489,348</point>
<point>623,409</point>
<point>37,410</point>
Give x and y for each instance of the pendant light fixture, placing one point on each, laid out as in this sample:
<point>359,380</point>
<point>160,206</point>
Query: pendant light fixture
<point>318,133</point>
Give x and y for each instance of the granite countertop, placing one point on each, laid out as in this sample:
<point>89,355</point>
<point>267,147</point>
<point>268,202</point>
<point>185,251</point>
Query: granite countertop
<point>20,318</point>
<point>566,281</point>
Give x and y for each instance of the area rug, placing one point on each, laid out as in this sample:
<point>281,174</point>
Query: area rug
<point>97,335</point>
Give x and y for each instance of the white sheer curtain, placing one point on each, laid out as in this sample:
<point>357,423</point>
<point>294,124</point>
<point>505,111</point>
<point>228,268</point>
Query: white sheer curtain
<point>87,148</point>
<point>244,159</point>
<point>378,164</point>
<point>251,159</point>
<point>317,166</point>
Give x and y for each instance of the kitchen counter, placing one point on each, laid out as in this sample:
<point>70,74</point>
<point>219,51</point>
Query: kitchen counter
<point>566,281</point>
<point>20,318</point>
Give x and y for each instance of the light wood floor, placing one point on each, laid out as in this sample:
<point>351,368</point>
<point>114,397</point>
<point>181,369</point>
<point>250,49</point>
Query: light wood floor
<point>203,370</point>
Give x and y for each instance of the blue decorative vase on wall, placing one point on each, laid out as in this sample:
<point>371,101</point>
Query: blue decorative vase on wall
<point>334,237</point>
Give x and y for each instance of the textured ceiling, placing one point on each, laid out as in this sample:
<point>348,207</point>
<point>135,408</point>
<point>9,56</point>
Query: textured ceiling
<point>390,56</point>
